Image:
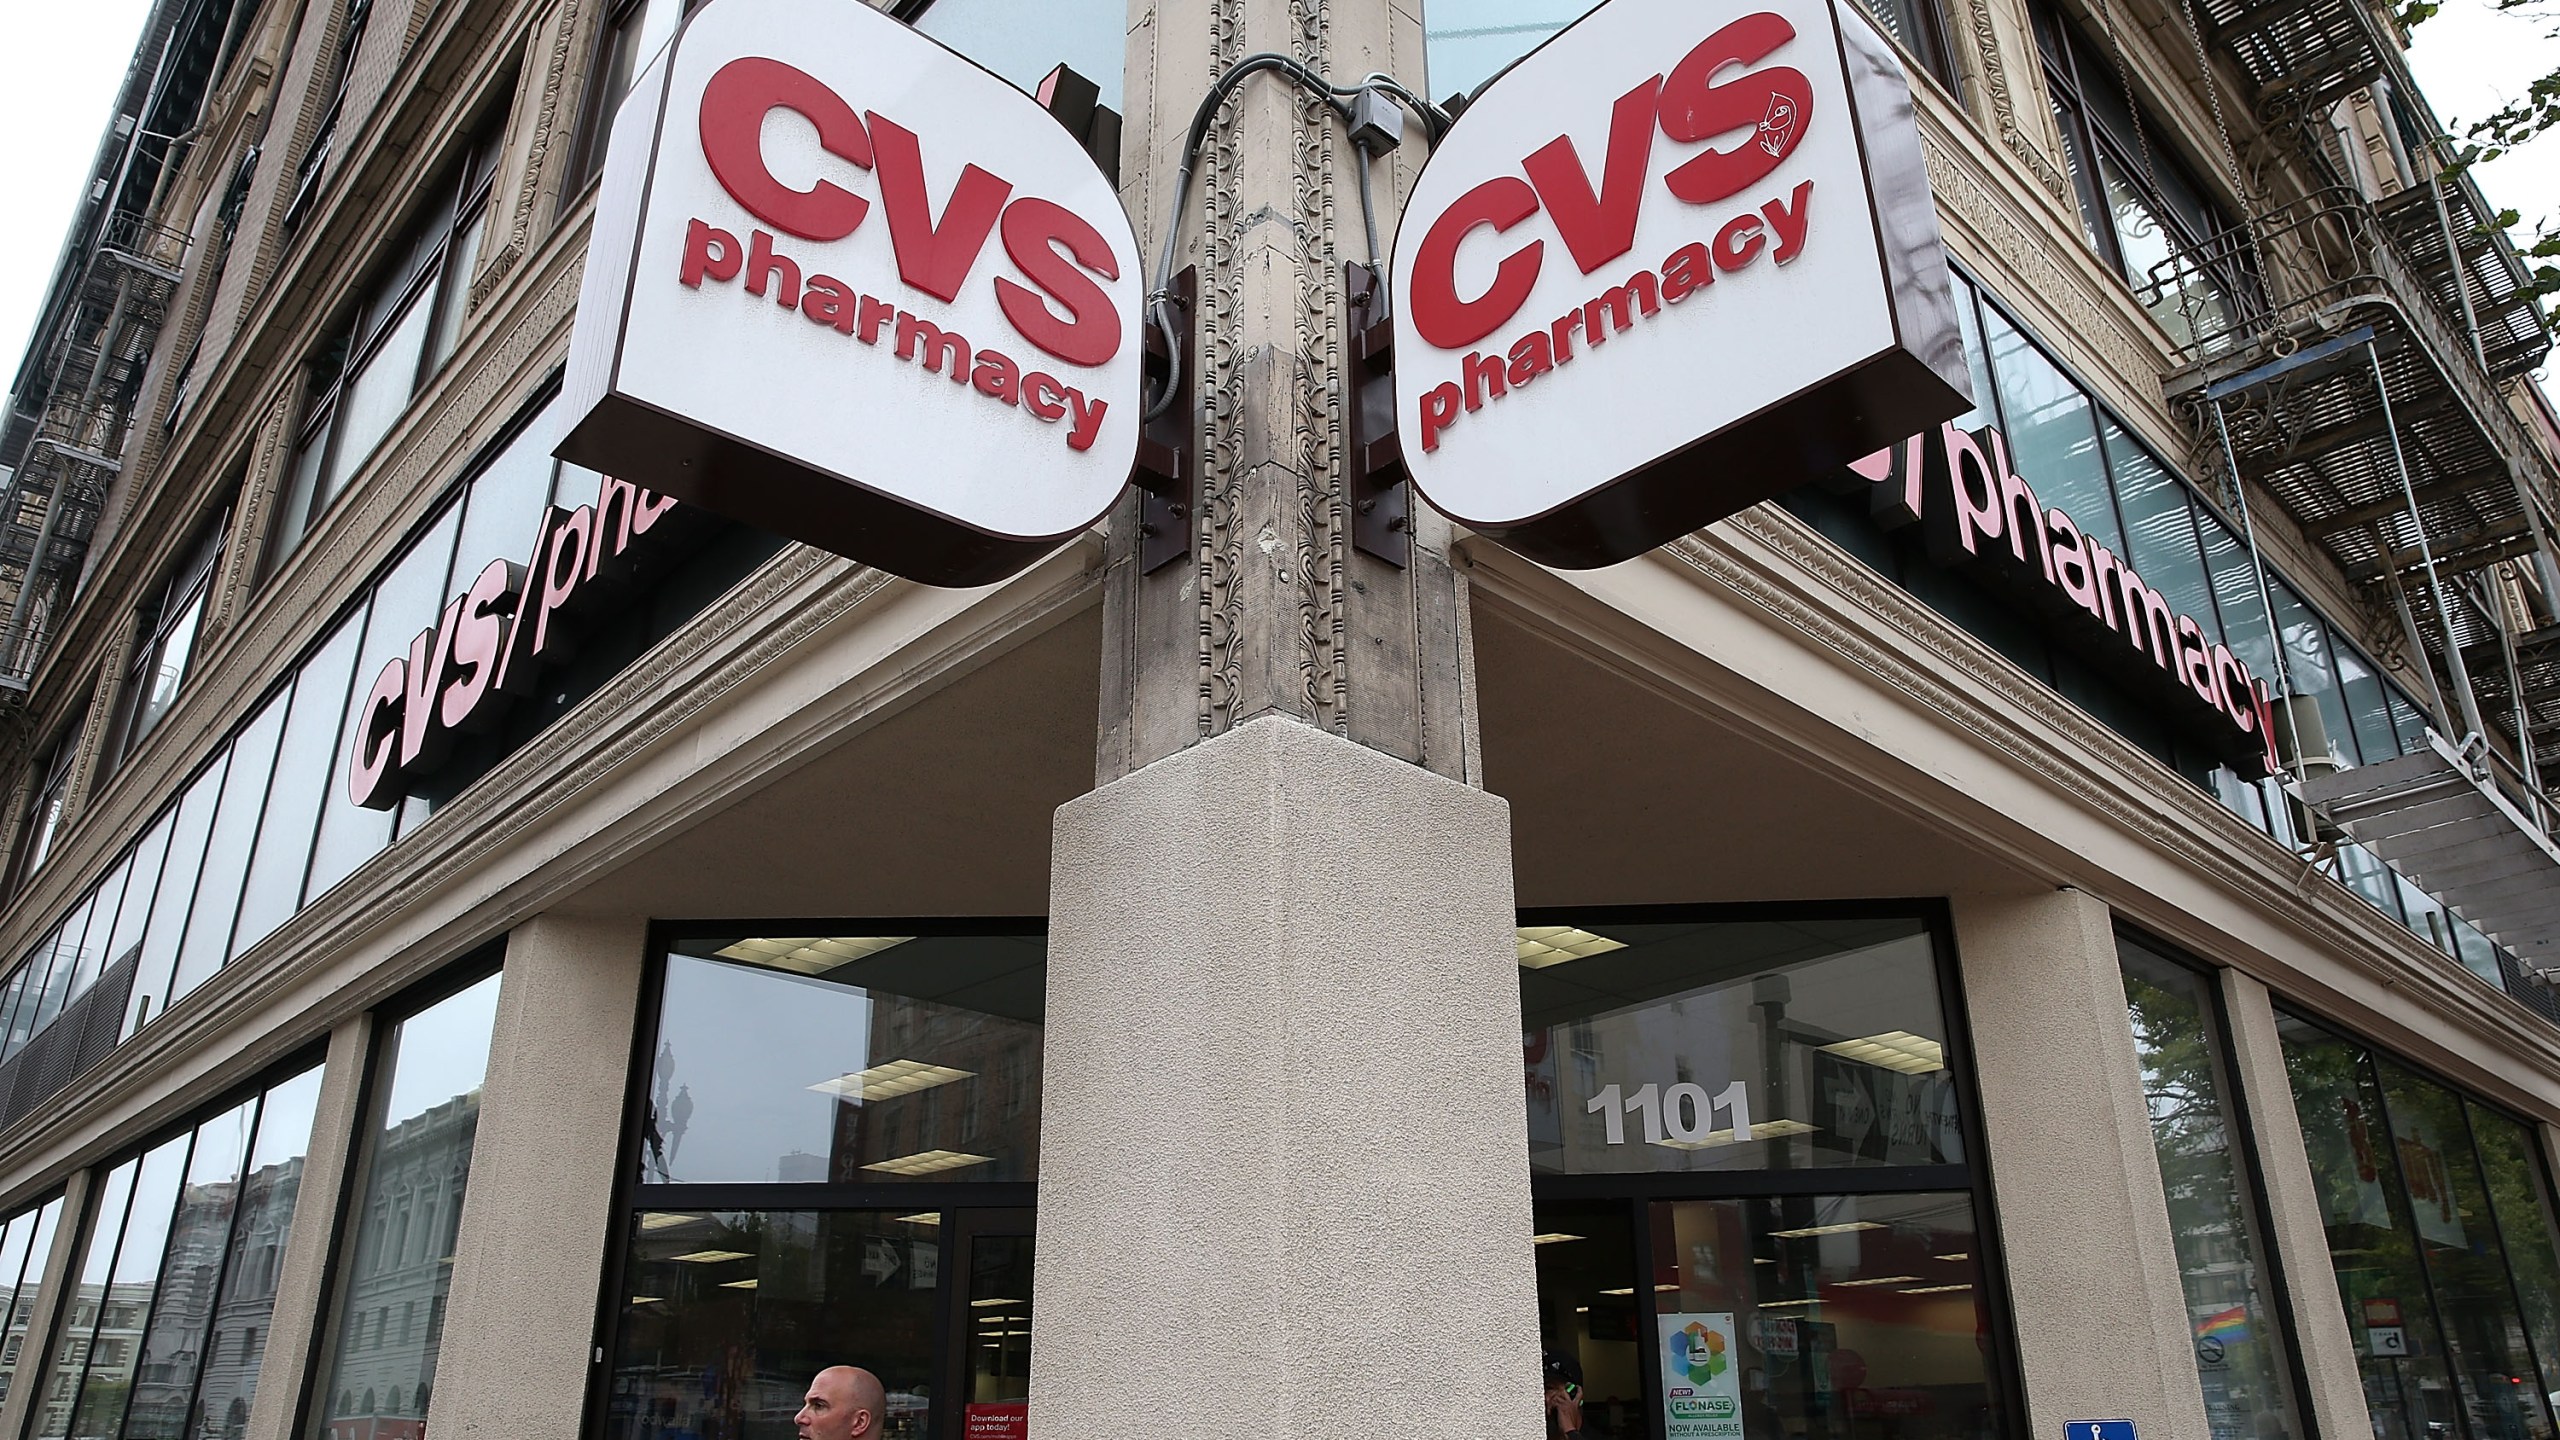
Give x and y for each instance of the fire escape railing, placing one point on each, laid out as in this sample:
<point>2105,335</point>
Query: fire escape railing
<point>83,406</point>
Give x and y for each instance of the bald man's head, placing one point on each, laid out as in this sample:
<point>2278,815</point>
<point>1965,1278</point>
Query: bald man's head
<point>843,1403</point>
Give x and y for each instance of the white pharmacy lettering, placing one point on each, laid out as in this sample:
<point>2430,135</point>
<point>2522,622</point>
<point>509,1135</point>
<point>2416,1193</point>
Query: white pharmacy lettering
<point>1681,1116</point>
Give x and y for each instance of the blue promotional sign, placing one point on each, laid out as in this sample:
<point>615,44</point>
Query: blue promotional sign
<point>2097,1430</point>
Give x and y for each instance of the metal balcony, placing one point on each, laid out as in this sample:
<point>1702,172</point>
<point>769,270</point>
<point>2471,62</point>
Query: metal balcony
<point>2334,383</point>
<point>93,366</point>
<point>2303,55</point>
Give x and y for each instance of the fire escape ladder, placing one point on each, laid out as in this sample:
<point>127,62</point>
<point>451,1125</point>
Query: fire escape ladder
<point>90,388</point>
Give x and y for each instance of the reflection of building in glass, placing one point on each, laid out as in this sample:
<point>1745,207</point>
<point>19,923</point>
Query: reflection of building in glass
<point>241,1319</point>
<point>393,1318</point>
<point>992,1111</point>
<point>110,1354</point>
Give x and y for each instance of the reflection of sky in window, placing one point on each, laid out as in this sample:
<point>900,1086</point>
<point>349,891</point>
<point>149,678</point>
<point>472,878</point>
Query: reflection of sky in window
<point>1023,43</point>
<point>444,1052</point>
<point>284,1128</point>
<point>744,1045</point>
<point>1469,41</point>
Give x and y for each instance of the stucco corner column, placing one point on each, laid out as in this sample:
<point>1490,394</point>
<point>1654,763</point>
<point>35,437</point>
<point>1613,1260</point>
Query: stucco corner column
<point>2301,1235</point>
<point>2083,1218</point>
<point>1284,1183</point>
<point>520,1322</point>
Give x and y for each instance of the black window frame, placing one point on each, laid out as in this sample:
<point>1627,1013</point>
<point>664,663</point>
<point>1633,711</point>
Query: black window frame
<point>418,272</point>
<point>2075,70</point>
<point>80,1230</point>
<point>177,603</point>
<point>632,1196</point>
<point>48,785</point>
<point>314,167</point>
<point>2242,1115</point>
<point>1639,1190</point>
<point>345,1219</point>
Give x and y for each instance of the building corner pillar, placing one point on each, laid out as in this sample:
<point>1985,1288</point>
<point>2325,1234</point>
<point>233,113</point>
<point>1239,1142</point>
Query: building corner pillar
<point>302,1279</point>
<point>2082,1214</point>
<point>2300,1242</point>
<point>52,1294</point>
<point>520,1322</point>
<point>1281,1113</point>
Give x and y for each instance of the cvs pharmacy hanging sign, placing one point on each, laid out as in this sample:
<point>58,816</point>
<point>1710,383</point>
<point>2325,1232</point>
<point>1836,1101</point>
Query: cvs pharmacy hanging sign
<point>849,287</point>
<point>1681,258</point>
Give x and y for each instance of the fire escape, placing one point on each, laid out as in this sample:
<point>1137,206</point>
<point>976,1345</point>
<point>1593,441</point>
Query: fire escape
<point>2347,357</point>
<point>68,434</point>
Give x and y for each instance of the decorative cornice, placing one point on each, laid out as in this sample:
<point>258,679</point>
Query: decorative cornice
<point>1222,536</point>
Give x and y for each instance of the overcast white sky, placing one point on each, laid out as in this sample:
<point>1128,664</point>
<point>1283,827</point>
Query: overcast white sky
<point>60,65</point>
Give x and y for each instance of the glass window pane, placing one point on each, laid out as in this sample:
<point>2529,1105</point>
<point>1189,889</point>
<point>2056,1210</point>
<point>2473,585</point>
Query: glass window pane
<point>182,1309</point>
<point>29,1246</point>
<point>729,1314</point>
<point>1809,1314</point>
<point>293,515</point>
<point>243,1320</point>
<point>2052,430</point>
<point>66,964</point>
<point>2309,667</point>
<point>2409,721</point>
<point>78,1324</point>
<point>1735,1046</point>
<point>392,1280</point>
<point>141,889</point>
<point>226,855</point>
<point>2465,1259</point>
<point>2521,1197</point>
<point>2241,1335</point>
<point>190,823</point>
<point>122,1300</point>
<point>1467,42</point>
<point>2373,1249</point>
<point>2365,874</point>
<point>2367,710</point>
<point>297,790</point>
<point>853,1060</point>
<point>1977,360</point>
<point>373,400</point>
<point>1024,42</point>
<point>453,288</point>
<point>2160,530</point>
<point>406,602</point>
<point>503,510</point>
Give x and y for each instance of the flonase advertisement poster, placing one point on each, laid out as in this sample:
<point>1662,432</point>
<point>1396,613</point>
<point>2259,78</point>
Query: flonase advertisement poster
<point>1701,1389</point>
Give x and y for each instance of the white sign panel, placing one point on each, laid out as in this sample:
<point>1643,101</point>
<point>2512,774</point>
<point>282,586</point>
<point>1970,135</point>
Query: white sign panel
<point>1701,1385</point>
<point>1680,258</point>
<point>849,286</point>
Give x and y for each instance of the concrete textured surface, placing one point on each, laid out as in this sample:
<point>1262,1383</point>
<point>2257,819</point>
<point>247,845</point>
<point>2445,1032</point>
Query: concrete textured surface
<point>2301,1239</point>
<point>1283,1178</point>
<point>301,1282</point>
<point>2084,1222</point>
<point>520,1322</point>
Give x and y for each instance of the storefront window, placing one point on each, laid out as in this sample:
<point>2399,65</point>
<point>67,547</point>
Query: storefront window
<point>884,1090</point>
<point>846,1060</point>
<point>176,1278</point>
<point>1735,1046</point>
<point>393,1277</point>
<point>1822,1276</point>
<point>2419,1235</point>
<point>2240,1332</point>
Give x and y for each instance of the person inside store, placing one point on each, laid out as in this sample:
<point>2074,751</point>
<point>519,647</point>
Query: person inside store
<point>843,1403</point>
<point>1564,1396</point>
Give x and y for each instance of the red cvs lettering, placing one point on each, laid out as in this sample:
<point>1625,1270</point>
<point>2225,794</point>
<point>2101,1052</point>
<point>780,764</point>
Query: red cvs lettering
<point>1064,310</point>
<point>1770,107</point>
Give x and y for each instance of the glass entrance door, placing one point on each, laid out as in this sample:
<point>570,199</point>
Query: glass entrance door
<point>987,1350</point>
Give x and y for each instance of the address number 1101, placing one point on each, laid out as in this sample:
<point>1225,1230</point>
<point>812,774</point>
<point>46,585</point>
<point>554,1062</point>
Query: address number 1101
<point>1684,1114</point>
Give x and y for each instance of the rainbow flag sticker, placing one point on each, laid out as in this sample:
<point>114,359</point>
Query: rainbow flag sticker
<point>2227,1326</point>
